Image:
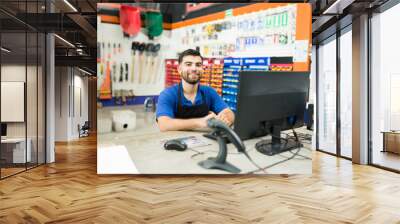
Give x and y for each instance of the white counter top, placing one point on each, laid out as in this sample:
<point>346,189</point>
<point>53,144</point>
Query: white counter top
<point>141,151</point>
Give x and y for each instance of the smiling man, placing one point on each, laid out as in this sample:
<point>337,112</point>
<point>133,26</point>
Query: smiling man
<point>188,105</point>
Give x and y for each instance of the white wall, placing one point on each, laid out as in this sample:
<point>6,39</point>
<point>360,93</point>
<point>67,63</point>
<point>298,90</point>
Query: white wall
<point>61,103</point>
<point>82,82</point>
<point>16,73</point>
<point>33,127</point>
<point>69,82</point>
<point>80,98</point>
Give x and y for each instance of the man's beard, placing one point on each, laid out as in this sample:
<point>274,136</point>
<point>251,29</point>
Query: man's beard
<point>191,81</point>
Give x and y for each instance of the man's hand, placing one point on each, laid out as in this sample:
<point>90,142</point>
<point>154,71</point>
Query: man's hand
<point>226,116</point>
<point>203,120</point>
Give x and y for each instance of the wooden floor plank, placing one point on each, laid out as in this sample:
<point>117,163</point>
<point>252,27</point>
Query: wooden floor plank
<point>70,191</point>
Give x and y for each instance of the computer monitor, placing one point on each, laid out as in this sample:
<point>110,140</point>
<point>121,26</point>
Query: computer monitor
<point>269,102</point>
<point>3,129</point>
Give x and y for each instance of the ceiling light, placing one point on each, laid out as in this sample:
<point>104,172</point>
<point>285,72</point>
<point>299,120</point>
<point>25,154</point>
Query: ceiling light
<point>86,72</point>
<point>65,41</point>
<point>70,5</point>
<point>5,49</point>
<point>338,6</point>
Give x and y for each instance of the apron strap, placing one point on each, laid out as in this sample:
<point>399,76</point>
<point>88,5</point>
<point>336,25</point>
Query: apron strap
<point>179,97</point>
<point>180,90</point>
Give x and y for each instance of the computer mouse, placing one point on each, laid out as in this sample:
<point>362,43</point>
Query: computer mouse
<point>175,145</point>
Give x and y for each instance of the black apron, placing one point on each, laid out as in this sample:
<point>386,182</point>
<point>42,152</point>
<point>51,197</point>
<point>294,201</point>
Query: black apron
<point>195,111</point>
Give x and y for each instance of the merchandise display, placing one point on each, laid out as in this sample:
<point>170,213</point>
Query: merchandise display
<point>153,21</point>
<point>207,68</point>
<point>172,76</point>
<point>231,69</point>
<point>217,75</point>
<point>212,73</point>
<point>130,20</point>
<point>138,55</point>
<point>281,64</point>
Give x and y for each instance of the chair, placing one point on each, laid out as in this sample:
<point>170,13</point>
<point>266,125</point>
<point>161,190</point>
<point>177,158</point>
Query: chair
<point>84,130</point>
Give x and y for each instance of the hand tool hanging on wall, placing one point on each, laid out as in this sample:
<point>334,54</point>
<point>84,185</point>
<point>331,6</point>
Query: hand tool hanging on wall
<point>109,52</point>
<point>102,61</point>
<point>137,63</point>
<point>150,64</point>
<point>99,62</point>
<point>146,69</point>
<point>114,79</point>
<point>114,72</point>
<point>123,96</point>
<point>133,65</point>
<point>141,49</point>
<point>121,73</point>
<point>157,63</point>
<point>98,52</point>
<point>131,94</point>
<point>106,86</point>
<point>126,72</point>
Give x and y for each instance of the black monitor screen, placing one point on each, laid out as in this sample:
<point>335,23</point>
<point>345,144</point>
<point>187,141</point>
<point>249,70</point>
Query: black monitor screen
<point>3,129</point>
<point>268,99</point>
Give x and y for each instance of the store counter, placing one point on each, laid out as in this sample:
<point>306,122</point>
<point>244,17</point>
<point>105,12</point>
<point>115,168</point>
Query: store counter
<point>141,152</point>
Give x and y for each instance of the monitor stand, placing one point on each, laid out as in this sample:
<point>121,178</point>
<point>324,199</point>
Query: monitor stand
<point>277,144</point>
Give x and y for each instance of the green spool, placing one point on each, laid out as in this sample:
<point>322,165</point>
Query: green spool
<point>154,23</point>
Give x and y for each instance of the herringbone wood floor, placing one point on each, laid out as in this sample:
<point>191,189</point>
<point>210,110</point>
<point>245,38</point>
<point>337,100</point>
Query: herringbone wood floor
<point>70,191</point>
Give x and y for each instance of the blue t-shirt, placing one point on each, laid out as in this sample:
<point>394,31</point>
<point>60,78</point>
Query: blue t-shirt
<point>168,100</point>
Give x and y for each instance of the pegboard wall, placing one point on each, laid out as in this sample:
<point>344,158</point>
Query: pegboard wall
<point>256,30</point>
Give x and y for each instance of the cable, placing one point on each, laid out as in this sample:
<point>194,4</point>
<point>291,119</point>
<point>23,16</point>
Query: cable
<point>296,137</point>
<point>254,163</point>
<point>305,157</point>
<point>279,162</point>
<point>287,159</point>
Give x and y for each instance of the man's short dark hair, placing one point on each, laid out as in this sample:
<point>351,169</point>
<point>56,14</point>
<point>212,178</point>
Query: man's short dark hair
<point>187,52</point>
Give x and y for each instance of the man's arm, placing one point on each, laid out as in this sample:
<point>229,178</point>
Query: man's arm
<point>166,123</point>
<point>218,105</point>
<point>227,116</point>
